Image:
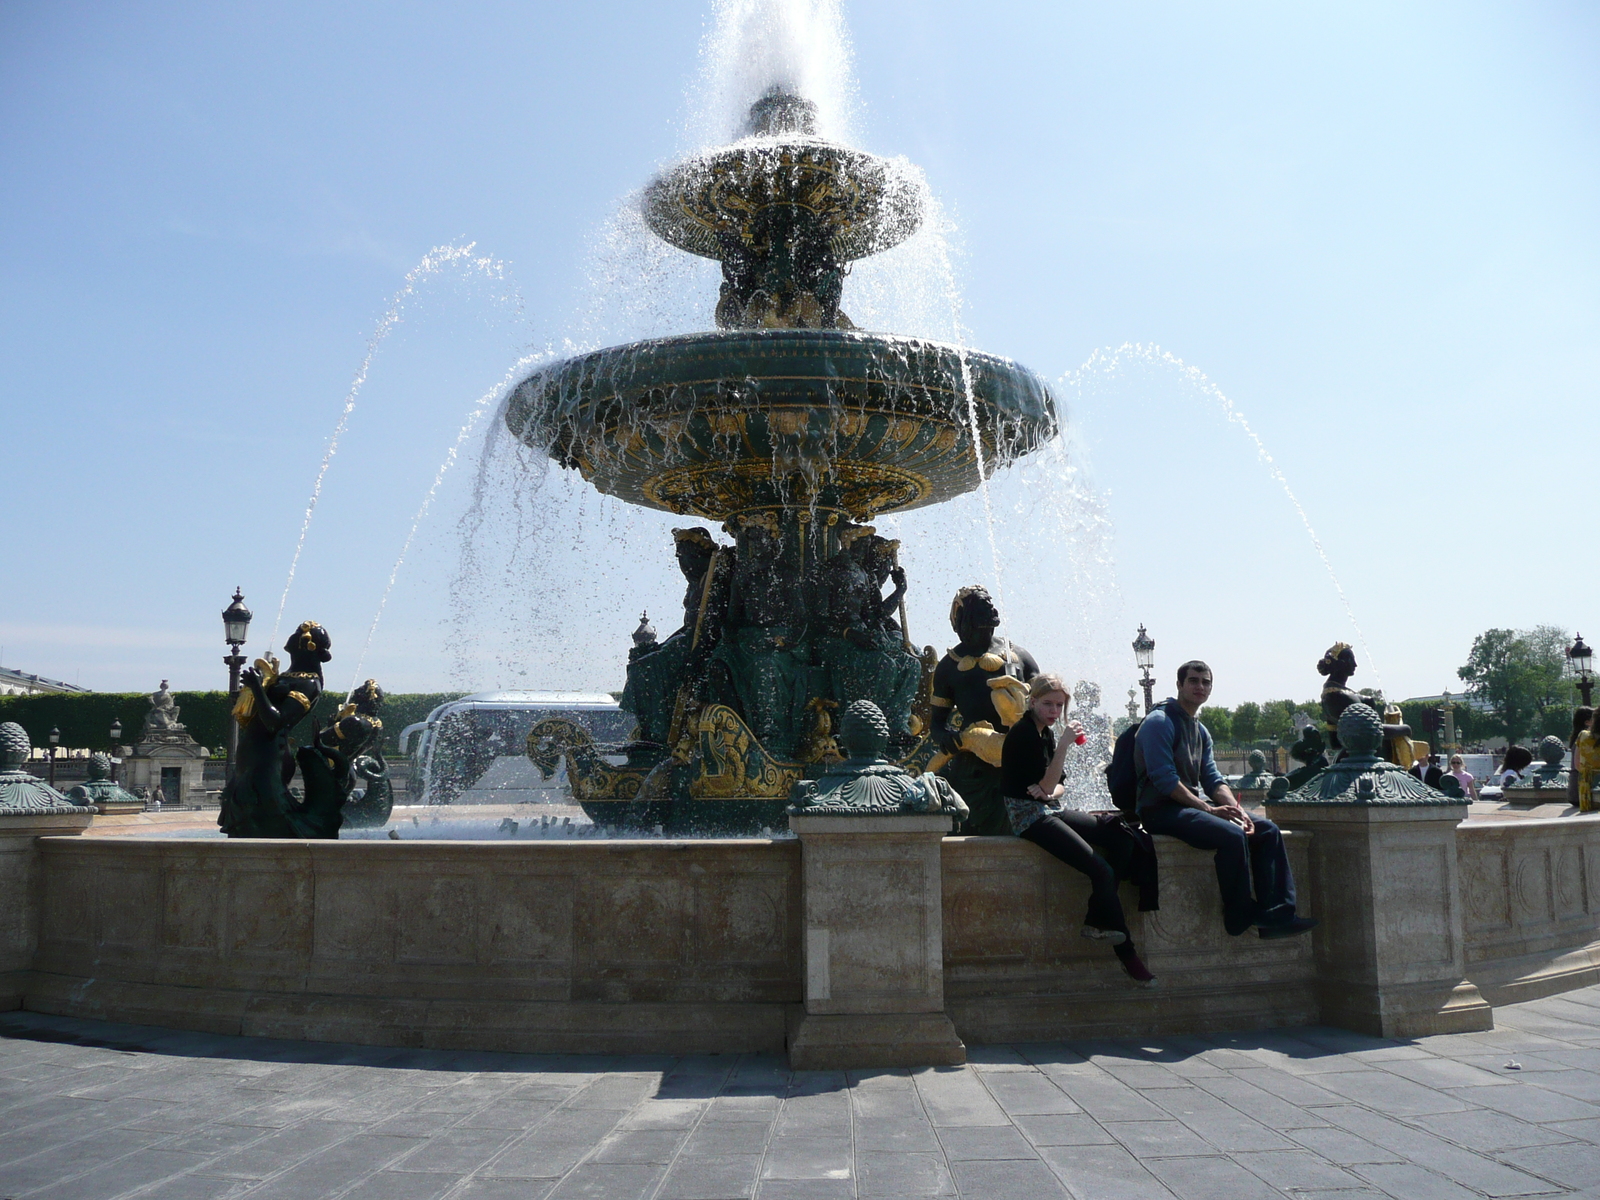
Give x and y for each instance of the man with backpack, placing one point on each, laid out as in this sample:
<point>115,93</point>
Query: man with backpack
<point>1180,792</point>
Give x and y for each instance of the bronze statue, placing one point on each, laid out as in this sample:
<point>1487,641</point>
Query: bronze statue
<point>256,802</point>
<point>657,673</point>
<point>763,662</point>
<point>983,681</point>
<point>358,733</point>
<point>862,647</point>
<point>1338,664</point>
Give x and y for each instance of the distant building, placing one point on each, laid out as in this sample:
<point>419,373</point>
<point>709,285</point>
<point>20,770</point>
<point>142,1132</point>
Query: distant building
<point>20,683</point>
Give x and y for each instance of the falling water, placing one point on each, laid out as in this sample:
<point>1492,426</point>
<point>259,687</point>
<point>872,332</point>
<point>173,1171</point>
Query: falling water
<point>751,45</point>
<point>479,407</point>
<point>432,262</point>
<point>1105,362</point>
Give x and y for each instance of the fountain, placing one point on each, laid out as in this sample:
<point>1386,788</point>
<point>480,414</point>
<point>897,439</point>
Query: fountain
<point>793,429</point>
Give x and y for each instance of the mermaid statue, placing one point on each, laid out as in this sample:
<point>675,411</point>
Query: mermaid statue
<point>358,732</point>
<point>257,802</point>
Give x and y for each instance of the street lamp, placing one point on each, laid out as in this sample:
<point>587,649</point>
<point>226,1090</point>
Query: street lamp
<point>1579,658</point>
<point>116,737</point>
<point>1144,654</point>
<point>55,740</point>
<point>235,625</point>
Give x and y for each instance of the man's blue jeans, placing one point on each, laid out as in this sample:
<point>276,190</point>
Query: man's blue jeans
<point>1241,859</point>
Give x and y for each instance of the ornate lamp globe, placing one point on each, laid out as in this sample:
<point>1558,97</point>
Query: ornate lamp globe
<point>235,620</point>
<point>55,736</point>
<point>1579,658</point>
<point>1144,650</point>
<point>116,730</point>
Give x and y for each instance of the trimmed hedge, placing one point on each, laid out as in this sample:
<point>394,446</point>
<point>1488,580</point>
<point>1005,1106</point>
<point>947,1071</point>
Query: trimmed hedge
<point>84,718</point>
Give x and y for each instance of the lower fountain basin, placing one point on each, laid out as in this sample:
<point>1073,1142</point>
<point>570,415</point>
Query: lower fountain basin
<point>715,424</point>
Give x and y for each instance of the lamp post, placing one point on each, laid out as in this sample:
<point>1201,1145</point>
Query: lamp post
<point>1579,658</point>
<point>235,625</point>
<point>116,737</point>
<point>1144,654</point>
<point>55,740</point>
<point>1447,712</point>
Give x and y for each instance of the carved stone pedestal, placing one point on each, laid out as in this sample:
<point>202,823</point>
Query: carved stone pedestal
<point>1390,948</point>
<point>1390,953</point>
<point>874,946</point>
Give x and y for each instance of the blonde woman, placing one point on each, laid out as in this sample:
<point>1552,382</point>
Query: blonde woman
<point>1458,769</point>
<point>1030,769</point>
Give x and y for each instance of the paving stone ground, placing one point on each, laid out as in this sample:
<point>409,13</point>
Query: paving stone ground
<point>92,1111</point>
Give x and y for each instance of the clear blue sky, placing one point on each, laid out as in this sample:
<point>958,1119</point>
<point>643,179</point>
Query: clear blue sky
<point>1373,226</point>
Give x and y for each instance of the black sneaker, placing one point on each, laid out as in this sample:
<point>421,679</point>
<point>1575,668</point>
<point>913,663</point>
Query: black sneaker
<point>1293,927</point>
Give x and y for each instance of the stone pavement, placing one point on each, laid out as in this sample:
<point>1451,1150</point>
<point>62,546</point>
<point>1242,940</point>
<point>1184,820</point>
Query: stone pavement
<point>91,1111</point>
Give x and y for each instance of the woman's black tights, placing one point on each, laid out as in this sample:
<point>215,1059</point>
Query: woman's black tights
<point>1071,836</point>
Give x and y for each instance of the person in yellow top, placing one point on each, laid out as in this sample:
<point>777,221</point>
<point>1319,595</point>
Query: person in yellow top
<point>1586,764</point>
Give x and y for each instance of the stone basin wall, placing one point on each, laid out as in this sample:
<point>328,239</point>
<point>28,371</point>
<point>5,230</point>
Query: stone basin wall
<point>1530,905</point>
<point>696,946</point>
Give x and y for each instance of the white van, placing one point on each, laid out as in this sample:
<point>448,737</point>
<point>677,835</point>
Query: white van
<point>474,750</point>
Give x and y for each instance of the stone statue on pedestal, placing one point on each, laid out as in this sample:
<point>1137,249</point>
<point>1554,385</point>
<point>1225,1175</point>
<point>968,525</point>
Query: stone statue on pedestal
<point>163,714</point>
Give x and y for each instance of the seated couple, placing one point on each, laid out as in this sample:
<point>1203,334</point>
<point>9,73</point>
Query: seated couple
<point>1175,765</point>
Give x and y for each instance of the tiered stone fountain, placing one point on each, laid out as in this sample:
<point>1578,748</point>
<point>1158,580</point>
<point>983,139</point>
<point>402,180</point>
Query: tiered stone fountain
<point>793,429</point>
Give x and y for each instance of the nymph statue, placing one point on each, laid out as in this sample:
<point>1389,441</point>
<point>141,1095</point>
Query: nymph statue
<point>256,802</point>
<point>1338,664</point>
<point>982,681</point>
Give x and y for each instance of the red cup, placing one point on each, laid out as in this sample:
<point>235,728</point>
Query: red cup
<point>1080,739</point>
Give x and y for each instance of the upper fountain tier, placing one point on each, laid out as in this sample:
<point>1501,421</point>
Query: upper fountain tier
<point>783,211</point>
<point>787,406</point>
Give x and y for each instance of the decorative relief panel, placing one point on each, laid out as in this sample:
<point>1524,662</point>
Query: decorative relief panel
<point>1569,887</point>
<point>191,918</point>
<point>1530,885</point>
<point>439,919</point>
<point>269,911</point>
<point>742,919</point>
<point>1485,890</point>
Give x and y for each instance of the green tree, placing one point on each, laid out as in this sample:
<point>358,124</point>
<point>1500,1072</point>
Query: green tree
<point>1277,720</point>
<point>1517,672</point>
<point>1246,722</point>
<point>1220,722</point>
